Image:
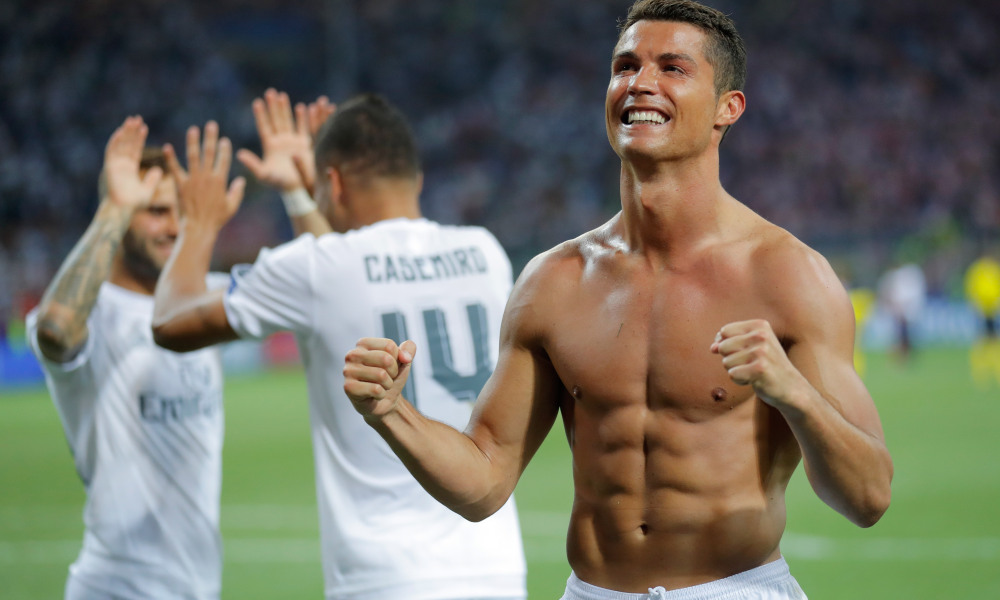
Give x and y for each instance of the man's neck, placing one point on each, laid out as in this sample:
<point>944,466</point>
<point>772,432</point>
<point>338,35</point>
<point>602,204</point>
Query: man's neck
<point>669,207</point>
<point>384,200</point>
<point>123,278</point>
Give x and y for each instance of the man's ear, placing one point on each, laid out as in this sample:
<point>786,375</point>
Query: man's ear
<point>730,106</point>
<point>336,185</point>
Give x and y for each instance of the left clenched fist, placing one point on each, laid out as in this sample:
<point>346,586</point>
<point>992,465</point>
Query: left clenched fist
<point>752,355</point>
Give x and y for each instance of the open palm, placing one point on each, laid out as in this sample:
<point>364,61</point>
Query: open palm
<point>126,186</point>
<point>283,139</point>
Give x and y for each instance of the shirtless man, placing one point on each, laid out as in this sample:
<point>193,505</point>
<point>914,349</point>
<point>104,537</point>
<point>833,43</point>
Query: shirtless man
<point>697,353</point>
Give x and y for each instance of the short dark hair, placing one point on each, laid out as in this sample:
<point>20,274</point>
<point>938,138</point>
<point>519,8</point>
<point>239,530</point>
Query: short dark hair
<point>368,135</point>
<point>152,156</point>
<point>725,50</point>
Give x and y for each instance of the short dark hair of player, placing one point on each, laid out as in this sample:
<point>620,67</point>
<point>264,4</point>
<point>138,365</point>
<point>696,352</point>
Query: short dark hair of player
<point>152,156</point>
<point>725,50</point>
<point>367,135</point>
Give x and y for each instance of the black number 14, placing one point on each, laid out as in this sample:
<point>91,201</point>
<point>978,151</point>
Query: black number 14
<point>462,387</point>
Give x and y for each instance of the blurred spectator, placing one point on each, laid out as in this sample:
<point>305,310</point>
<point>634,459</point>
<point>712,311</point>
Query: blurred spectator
<point>903,292</point>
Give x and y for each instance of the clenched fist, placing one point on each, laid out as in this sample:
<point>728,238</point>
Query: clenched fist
<point>375,372</point>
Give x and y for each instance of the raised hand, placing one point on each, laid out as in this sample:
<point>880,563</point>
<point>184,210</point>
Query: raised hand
<point>205,198</point>
<point>315,114</point>
<point>375,373</point>
<point>125,186</point>
<point>752,355</point>
<point>283,139</point>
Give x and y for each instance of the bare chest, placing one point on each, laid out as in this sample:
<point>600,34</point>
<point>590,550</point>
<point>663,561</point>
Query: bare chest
<point>646,341</point>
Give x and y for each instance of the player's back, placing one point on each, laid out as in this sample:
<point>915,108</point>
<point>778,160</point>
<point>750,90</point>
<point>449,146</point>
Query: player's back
<point>445,287</point>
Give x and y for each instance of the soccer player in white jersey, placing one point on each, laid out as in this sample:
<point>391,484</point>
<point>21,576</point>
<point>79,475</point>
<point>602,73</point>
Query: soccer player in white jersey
<point>384,268</point>
<point>144,424</point>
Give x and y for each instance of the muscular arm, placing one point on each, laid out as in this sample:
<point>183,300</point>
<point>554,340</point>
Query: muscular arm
<point>816,389</point>
<point>473,472</point>
<point>69,299</point>
<point>186,315</point>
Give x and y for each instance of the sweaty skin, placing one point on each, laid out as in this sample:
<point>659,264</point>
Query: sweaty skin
<point>697,354</point>
<point>679,472</point>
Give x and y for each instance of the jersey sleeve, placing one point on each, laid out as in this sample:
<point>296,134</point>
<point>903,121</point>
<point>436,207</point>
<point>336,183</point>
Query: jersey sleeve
<point>72,386</point>
<point>217,281</point>
<point>275,293</point>
<point>58,370</point>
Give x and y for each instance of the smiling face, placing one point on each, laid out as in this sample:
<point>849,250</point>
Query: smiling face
<point>151,234</point>
<point>661,102</point>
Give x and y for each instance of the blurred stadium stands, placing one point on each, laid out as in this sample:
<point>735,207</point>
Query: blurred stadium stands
<point>871,129</point>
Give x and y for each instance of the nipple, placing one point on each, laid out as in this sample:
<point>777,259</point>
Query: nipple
<point>719,394</point>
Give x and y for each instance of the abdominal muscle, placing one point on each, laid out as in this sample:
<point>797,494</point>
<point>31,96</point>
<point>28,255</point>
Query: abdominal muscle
<point>663,500</point>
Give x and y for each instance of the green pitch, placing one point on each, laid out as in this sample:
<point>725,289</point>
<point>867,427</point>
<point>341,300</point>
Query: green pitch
<point>940,538</point>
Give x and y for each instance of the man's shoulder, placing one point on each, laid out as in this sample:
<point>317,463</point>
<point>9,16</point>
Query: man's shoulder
<point>797,279</point>
<point>565,264</point>
<point>778,253</point>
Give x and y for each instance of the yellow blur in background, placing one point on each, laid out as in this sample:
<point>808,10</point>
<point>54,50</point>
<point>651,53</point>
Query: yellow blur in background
<point>863,301</point>
<point>982,287</point>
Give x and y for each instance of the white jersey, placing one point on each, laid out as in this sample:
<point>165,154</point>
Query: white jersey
<point>444,287</point>
<point>145,428</point>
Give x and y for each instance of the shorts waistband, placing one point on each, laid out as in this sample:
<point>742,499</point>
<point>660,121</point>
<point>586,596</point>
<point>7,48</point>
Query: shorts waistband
<point>728,588</point>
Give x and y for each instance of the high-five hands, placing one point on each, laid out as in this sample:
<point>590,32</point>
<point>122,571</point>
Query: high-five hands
<point>205,198</point>
<point>375,372</point>
<point>286,141</point>
<point>125,187</point>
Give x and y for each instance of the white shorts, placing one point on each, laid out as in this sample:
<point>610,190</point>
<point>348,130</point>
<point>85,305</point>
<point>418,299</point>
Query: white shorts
<point>772,581</point>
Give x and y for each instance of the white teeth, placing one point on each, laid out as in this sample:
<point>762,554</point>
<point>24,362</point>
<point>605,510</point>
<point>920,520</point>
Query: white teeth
<point>645,116</point>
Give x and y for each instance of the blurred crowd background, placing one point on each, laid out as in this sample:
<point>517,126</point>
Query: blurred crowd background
<point>872,130</point>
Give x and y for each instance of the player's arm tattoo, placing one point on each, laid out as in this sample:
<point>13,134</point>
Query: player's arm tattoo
<point>66,305</point>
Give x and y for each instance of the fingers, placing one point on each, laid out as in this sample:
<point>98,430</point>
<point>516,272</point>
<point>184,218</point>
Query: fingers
<point>376,352</point>
<point>371,368</point>
<point>301,119</point>
<point>407,351</point>
<point>378,360</point>
<point>319,112</point>
<point>282,112</point>
<point>306,174</point>
<point>375,373</point>
<point>210,145</point>
<point>261,118</point>
<point>212,154</point>
<point>749,350</point>
<point>151,180</point>
<point>272,114</point>
<point>223,157</point>
<point>205,196</point>
<point>234,195</point>
<point>192,138</point>
<point>173,165</point>
<point>737,329</point>
<point>128,139</point>
<point>252,162</point>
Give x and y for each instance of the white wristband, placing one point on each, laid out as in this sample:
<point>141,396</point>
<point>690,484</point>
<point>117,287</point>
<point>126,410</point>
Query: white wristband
<point>297,202</point>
